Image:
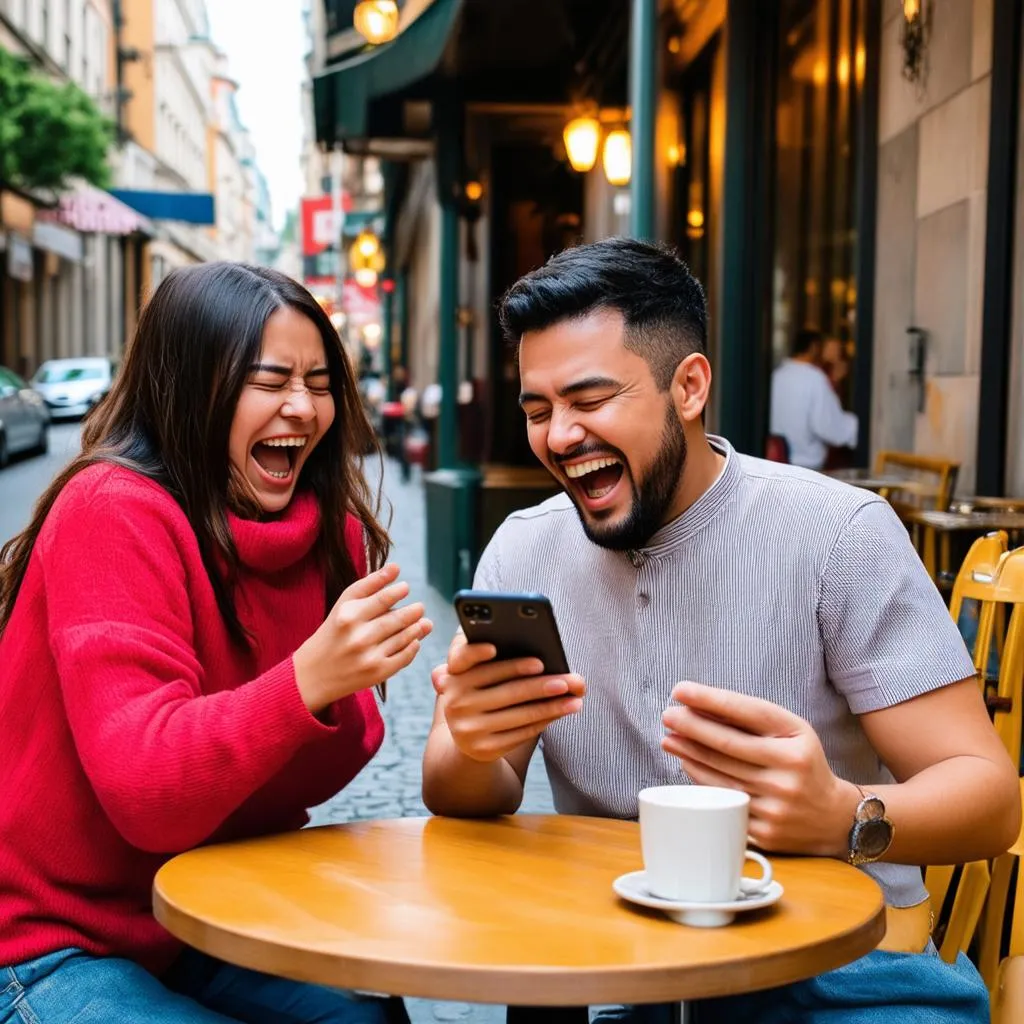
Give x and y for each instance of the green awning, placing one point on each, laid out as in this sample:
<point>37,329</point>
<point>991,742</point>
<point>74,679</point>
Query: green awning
<point>343,92</point>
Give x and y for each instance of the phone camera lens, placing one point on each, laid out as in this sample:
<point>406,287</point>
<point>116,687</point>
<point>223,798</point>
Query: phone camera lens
<point>528,611</point>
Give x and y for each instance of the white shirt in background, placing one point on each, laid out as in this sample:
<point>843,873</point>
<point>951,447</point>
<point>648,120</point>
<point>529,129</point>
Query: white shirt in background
<point>806,411</point>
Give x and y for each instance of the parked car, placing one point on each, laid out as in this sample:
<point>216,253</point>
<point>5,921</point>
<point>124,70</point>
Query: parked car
<point>71,387</point>
<point>24,419</point>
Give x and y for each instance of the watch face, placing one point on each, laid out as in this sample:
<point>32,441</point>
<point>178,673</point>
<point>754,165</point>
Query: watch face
<point>873,838</point>
<point>870,808</point>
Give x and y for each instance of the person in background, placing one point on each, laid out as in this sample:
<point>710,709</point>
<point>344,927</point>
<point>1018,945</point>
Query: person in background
<point>191,629</point>
<point>805,408</point>
<point>835,363</point>
<point>396,421</point>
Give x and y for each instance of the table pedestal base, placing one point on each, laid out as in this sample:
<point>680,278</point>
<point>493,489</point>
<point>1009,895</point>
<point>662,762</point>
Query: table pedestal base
<point>569,1015</point>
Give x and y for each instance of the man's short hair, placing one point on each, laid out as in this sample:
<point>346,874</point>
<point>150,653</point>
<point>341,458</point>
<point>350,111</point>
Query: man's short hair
<point>661,302</point>
<point>805,339</point>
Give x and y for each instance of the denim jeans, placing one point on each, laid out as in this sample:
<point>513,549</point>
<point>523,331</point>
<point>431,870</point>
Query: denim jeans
<point>74,987</point>
<point>880,988</point>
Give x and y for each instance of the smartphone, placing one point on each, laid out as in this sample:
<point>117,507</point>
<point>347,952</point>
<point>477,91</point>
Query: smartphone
<point>518,625</point>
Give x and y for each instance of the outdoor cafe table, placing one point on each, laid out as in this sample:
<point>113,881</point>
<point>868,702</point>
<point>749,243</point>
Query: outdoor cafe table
<point>881,483</point>
<point>937,528</point>
<point>516,910</point>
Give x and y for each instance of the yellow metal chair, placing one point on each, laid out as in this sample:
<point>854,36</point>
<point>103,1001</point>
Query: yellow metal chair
<point>980,566</point>
<point>981,561</point>
<point>981,579</point>
<point>999,593</point>
<point>996,581</point>
<point>1004,976</point>
<point>955,933</point>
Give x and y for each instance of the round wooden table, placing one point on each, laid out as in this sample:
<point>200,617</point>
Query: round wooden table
<point>516,910</point>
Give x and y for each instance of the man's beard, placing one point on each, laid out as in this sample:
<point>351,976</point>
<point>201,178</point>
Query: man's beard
<point>650,506</point>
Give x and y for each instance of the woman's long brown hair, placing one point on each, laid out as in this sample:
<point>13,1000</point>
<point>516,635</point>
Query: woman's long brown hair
<point>169,414</point>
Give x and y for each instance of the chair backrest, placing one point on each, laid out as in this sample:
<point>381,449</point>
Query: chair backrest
<point>930,480</point>
<point>999,594</point>
<point>990,946</point>
<point>995,579</point>
<point>981,560</point>
<point>955,933</point>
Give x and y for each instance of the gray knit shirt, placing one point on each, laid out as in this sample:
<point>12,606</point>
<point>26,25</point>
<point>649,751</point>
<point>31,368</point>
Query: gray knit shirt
<point>778,582</point>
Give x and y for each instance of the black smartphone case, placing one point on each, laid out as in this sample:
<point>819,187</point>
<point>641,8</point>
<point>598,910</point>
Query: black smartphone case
<point>519,626</point>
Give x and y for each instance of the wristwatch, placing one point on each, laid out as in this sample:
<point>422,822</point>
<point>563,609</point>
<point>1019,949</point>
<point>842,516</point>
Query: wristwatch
<point>872,832</point>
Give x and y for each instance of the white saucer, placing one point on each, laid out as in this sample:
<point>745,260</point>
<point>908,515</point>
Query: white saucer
<point>633,887</point>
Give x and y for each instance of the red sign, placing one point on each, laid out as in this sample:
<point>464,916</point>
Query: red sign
<point>361,304</point>
<point>320,223</point>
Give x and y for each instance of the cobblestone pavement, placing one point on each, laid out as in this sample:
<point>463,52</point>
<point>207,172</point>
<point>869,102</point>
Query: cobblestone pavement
<point>390,785</point>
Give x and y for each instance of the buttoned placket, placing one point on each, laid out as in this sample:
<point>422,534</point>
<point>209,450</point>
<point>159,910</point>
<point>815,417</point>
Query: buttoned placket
<point>645,567</point>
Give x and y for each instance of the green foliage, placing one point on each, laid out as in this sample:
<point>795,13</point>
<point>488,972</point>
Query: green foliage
<point>49,132</point>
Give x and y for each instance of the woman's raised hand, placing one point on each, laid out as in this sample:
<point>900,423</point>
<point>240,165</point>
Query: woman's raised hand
<point>363,641</point>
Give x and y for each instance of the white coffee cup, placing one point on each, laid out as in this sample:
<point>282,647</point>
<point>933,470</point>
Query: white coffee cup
<point>694,842</point>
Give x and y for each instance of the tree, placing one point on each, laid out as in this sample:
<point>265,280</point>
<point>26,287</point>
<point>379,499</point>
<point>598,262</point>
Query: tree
<point>49,132</point>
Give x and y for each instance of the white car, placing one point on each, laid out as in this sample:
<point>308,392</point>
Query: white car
<point>71,387</point>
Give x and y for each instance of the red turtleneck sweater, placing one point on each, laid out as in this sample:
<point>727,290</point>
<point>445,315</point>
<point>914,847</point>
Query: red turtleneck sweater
<point>133,728</point>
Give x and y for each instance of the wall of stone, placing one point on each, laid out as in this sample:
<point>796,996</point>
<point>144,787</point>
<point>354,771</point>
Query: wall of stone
<point>930,250</point>
<point>1015,422</point>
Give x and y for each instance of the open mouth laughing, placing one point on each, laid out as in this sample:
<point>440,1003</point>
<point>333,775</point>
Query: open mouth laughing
<point>596,480</point>
<point>276,457</point>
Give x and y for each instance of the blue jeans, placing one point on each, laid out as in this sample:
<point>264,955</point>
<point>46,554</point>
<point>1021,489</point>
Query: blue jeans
<point>74,987</point>
<point>880,988</point>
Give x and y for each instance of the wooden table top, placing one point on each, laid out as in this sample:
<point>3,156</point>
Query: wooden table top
<point>983,503</point>
<point>516,910</point>
<point>951,522</point>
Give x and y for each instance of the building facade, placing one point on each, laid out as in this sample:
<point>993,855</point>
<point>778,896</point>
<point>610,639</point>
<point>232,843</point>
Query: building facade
<point>169,119</point>
<point>74,268</point>
<point>63,286</point>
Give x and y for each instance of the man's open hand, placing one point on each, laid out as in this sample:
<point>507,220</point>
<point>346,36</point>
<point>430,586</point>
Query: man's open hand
<point>797,804</point>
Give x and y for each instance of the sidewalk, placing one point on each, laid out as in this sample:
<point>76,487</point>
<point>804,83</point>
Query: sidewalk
<point>390,786</point>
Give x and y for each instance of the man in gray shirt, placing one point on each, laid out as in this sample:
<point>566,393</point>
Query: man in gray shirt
<point>730,622</point>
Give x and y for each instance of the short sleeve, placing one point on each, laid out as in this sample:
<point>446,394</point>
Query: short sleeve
<point>887,634</point>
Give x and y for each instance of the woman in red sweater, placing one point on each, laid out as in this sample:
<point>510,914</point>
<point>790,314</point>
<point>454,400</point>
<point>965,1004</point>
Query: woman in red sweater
<point>189,642</point>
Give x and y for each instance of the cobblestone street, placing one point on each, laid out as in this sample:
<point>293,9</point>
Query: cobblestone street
<point>390,785</point>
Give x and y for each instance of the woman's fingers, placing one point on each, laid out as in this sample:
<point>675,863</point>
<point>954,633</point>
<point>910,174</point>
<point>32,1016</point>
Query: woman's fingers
<point>399,641</point>
<point>403,659</point>
<point>370,584</point>
<point>386,626</point>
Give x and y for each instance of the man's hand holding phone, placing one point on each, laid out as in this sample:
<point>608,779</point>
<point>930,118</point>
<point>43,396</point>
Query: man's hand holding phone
<point>492,707</point>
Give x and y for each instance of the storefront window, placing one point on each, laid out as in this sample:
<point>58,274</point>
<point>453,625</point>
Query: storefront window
<point>818,91</point>
<point>694,206</point>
